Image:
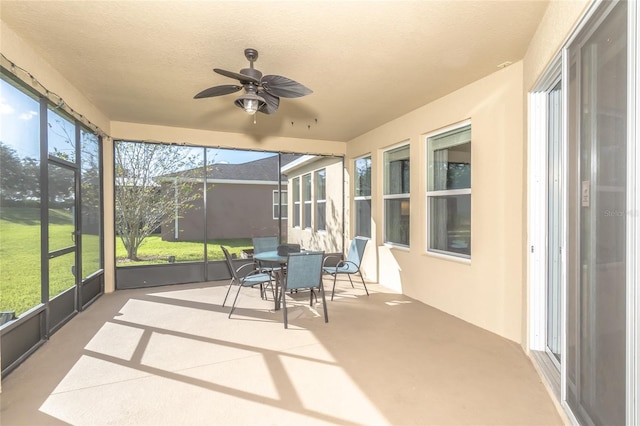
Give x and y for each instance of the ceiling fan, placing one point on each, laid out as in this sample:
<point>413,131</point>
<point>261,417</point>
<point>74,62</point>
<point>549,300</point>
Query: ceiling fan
<point>262,93</point>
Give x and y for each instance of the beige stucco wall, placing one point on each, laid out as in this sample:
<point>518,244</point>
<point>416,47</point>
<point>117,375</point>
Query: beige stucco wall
<point>559,20</point>
<point>488,290</point>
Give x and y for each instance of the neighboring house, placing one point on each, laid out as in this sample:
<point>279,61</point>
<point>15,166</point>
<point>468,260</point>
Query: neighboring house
<point>242,202</point>
<point>316,206</point>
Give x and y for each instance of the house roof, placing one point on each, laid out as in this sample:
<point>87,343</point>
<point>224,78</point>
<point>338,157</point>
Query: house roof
<point>368,62</point>
<point>264,170</point>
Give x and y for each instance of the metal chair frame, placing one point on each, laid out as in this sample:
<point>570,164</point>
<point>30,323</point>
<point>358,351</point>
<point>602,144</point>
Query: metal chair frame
<point>349,266</point>
<point>253,278</point>
<point>302,274</point>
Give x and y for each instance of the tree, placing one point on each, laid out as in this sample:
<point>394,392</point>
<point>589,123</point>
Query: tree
<point>19,177</point>
<point>151,183</point>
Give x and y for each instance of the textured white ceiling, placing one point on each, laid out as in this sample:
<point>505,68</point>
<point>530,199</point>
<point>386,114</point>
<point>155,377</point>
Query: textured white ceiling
<point>367,62</point>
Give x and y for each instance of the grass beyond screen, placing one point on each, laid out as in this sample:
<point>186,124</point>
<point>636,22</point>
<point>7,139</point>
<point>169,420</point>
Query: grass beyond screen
<point>20,257</point>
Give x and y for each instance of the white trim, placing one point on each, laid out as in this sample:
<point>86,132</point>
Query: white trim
<point>296,204</point>
<point>285,207</point>
<point>536,244</point>
<point>362,157</point>
<point>633,216</point>
<point>227,181</point>
<point>317,201</point>
<point>299,162</point>
<point>466,122</point>
<point>465,260</point>
<point>565,237</point>
<point>357,198</point>
<point>396,246</point>
<point>245,182</point>
<point>445,192</point>
<point>404,195</point>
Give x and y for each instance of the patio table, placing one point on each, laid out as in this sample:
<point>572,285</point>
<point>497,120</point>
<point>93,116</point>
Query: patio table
<point>273,257</point>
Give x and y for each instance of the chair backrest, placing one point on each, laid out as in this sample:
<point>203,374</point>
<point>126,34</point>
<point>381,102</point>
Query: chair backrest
<point>356,250</point>
<point>262,244</point>
<point>286,249</point>
<point>232,270</point>
<point>304,270</point>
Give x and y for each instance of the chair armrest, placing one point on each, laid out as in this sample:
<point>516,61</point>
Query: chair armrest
<point>252,264</point>
<point>324,261</point>
<point>346,262</point>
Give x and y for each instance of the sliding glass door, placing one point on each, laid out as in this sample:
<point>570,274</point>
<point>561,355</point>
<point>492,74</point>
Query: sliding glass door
<point>596,311</point>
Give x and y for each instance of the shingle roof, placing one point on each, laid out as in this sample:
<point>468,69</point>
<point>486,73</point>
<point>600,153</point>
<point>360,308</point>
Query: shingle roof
<point>265,169</point>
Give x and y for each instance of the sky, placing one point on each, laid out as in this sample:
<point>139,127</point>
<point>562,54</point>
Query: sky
<point>19,128</point>
<point>19,124</point>
<point>233,156</point>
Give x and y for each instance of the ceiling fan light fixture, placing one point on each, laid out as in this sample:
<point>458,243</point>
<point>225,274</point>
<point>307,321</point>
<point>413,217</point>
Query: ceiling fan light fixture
<point>250,102</point>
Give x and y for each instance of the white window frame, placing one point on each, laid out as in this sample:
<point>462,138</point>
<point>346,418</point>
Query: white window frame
<point>442,193</point>
<point>356,197</point>
<point>306,203</point>
<point>401,196</point>
<point>283,201</point>
<point>320,202</point>
<point>297,219</point>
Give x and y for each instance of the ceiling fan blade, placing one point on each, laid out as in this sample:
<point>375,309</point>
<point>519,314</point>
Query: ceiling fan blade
<point>284,87</point>
<point>217,91</point>
<point>272,102</point>
<point>236,75</point>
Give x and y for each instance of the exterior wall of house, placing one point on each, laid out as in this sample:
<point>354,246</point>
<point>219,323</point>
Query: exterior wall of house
<point>233,211</point>
<point>331,240</point>
<point>488,290</point>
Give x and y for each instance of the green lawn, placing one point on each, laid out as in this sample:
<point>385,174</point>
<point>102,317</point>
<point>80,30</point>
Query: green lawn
<point>154,250</point>
<point>19,259</point>
<point>20,255</point>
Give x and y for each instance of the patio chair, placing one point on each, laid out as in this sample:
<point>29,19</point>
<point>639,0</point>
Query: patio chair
<point>349,266</point>
<point>261,245</point>
<point>304,271</point>
<point>252,279</point>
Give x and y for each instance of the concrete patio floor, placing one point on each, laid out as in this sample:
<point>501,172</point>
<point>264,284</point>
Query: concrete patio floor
<point>170,356</point>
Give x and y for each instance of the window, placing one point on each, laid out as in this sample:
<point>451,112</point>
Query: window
<point>362,197</point>
<point>396,196</point>
<point>321,200</point>
<point>277,203</point>
<point>306,195</point>
<point>296,201</point>
<point>449,192</point>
